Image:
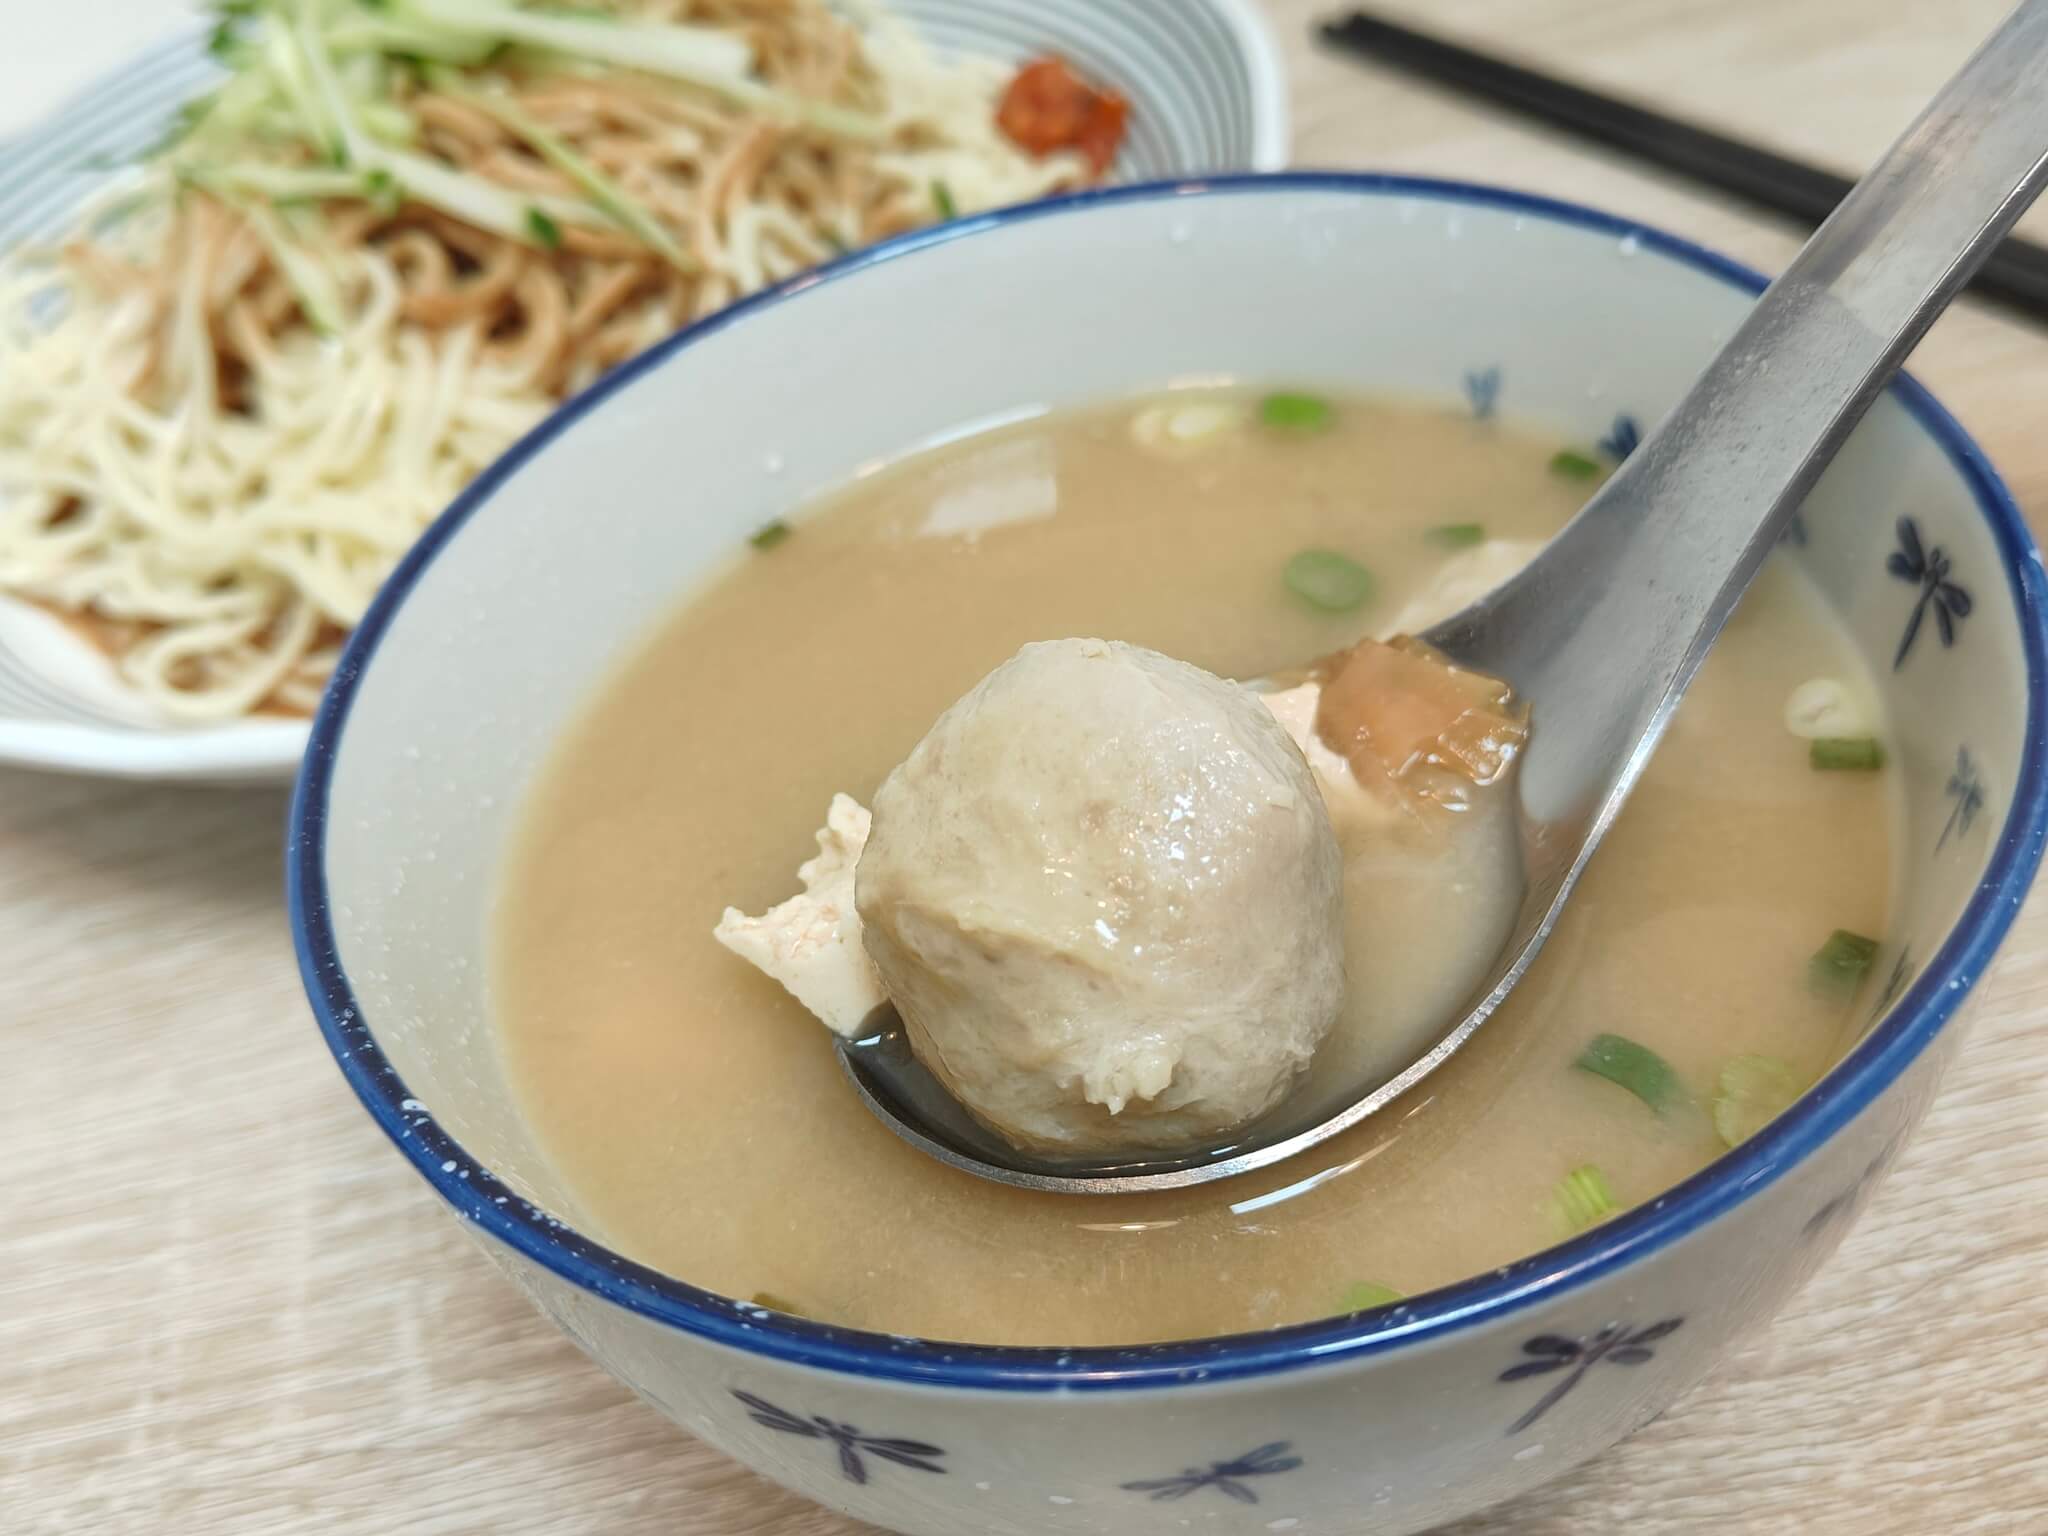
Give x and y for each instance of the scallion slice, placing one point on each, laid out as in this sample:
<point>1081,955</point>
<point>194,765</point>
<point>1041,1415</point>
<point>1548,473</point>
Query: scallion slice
<point>942,200</point>
<point>1855,754</point>
<point>543,229</point>
<point>1635,1067</point>
<point>1296,412</point>
<point>1367,1294</point>
<point>1457,535</point>
<point>1838,966</point>
<point>381,190</point>
<point>1573,465</point>
<point>1753,1091</point>
<point>1324,579</point>
<point>1584,1198</point>
<point>768,535</point>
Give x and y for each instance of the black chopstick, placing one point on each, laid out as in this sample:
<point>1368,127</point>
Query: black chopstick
<point>2017,272</point>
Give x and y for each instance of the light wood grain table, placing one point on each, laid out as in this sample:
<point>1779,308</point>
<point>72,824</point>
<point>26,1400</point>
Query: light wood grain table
<point>226,1305</point>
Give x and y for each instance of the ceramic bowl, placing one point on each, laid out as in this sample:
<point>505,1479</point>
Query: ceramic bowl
<point>1207,91</point>
<point>1388,1421</point>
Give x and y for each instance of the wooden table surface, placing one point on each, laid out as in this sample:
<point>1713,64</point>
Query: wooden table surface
<point>227,1305</point>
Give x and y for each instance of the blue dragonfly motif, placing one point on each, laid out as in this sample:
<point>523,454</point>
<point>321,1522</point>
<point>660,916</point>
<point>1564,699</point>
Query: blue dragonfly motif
<point>1842,1208</point>
<point>853,1444</point>
<point>1903,970</point>
<point>1966,789</point>
<point>1616,1344</point>
<point>1226,1477</point>
<point>1622,439</point>
<point>1926,566</point>
<point>1482,391</point>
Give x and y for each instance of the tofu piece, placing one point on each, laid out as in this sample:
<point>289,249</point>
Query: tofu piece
<point>1462,581</point>
<point>811,943</point>
<point>1350,804</point>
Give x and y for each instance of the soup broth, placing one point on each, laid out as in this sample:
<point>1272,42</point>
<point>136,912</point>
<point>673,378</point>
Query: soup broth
<point>697,1111</point>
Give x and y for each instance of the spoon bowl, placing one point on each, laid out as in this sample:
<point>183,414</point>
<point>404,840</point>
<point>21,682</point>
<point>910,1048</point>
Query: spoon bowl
<point>1602,632</point>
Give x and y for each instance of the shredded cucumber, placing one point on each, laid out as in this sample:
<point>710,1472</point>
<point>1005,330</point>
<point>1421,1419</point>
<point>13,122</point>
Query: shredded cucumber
<point>326,78</point>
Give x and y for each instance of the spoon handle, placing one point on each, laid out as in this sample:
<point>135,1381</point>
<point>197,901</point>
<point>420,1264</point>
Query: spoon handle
<point>1607,627</point>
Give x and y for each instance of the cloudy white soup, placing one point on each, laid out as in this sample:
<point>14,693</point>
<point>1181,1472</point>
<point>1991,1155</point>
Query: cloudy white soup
<point>1110,759</point>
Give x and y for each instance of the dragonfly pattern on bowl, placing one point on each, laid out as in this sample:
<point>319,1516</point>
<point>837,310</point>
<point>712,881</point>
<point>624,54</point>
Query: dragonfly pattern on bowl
<point>1622,439</point>
<point>1229,1478</point>
<point>1615,1344</point>
<point>1842,1208</point>
<point>1482,392</point>
<point>1926,566</point>
<point>1902,971</point>
<point>853,1443</point>
<point>1966,788</point>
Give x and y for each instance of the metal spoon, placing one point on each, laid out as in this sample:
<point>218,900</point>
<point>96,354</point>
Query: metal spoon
<point>1602,632</point>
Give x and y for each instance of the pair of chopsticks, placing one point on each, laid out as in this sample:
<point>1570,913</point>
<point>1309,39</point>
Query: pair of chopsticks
<point>2016,273</point>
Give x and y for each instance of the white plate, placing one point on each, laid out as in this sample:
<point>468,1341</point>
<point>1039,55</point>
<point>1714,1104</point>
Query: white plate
<point>1207,91</point>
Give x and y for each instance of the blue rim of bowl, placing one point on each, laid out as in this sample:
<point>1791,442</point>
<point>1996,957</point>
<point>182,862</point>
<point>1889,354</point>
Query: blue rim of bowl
<point>1856,1082</point>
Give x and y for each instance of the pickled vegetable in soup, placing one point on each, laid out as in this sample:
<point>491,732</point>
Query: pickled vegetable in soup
<point>1714,963</point>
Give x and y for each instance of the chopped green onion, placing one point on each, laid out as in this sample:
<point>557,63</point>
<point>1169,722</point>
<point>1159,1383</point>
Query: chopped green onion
<point>1324,579</point>
<point>1296,413</point>
<point>1573,465</point>
<point>775,1303</point>
<point>942,199</point>
<point>380,190</point>
<point>768,535</point>
<point>1367,1294</point>
<point>544,229</point>
<point>1635,1067</point>
<point>1457,535</point>
<point>838,246</point>
<point>1838,966</point>
<point>222,41</point>
<point>1585,1199</point>
<point>1855,754</point>
<point>1754,1091</point>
